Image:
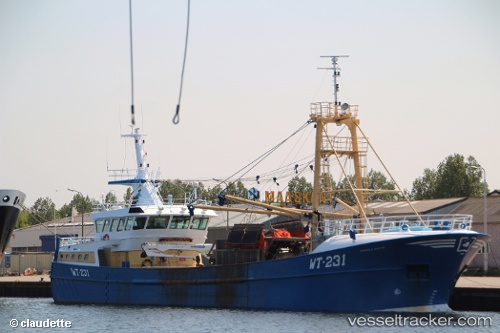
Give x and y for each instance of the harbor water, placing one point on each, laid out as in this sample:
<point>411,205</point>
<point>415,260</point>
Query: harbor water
<point>43,315</point>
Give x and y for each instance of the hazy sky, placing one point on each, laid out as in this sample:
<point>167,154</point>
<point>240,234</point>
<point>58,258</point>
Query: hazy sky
<point>425,74</point>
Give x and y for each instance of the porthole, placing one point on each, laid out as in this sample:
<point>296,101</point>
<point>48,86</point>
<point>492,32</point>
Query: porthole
<point>6,198</point>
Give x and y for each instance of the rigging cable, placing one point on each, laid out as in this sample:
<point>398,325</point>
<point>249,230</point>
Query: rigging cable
<point>266,154</point>
<point>175,120</point>
<point>293,149</point>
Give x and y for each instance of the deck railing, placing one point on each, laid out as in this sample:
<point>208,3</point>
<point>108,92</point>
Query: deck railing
<point>329,109</point>
<point>397,223</point>
<point>66,241</point>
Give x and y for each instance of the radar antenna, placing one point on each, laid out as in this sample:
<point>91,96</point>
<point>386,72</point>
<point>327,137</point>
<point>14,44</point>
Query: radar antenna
<point>336,72</point>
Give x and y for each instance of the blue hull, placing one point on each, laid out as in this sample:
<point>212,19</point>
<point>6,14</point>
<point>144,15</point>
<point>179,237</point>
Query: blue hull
<point>378,276</point>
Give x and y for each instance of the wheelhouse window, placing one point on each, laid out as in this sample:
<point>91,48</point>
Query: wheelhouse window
<point>98,225</point>
<point>114,225</point>
<point>157,222</point>
<point>180,222</point>
<point>129,224</point>
<point>139,223</point>
<point>105,227</point>
<point>199,223</point>
<point>120,224</point>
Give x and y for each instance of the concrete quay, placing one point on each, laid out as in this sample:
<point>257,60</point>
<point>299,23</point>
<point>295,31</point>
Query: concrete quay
<point>474,293</point>
<point>25,286</point>
<point>22,278</point>
<point>478,282</point>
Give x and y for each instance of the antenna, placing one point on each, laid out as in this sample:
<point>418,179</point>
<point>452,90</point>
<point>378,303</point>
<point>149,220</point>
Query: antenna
<point>131,64</point>
<point>336,72</point>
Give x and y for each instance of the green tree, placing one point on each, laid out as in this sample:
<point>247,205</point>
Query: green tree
<point>378,181</point>
<point>127,197</point>
<point>211,194</point>
<point>299,184</point>
<point>43,210</point>
<point>237,189</point>
<point>342,190</point>
<point>181,191</point>
<point>23,220</point>
<point>453,178</point>
<point>65,210</point>
<point>177,188</point>
<point>110,198</point>
<point>424,187</point>
<point>82,204</point>
<point>476,181</point>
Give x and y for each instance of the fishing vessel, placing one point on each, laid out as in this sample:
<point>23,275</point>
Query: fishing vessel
<point>10,207</point>
<point>152,252</point>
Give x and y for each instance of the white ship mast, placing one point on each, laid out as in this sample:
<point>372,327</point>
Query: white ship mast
<point>145,192</point>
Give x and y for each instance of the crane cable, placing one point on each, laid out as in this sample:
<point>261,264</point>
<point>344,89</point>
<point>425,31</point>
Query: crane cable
<point>132,113</point>
<point>175,120</point>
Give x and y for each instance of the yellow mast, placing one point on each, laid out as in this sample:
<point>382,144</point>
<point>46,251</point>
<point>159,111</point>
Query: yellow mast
<point>322,114</point>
